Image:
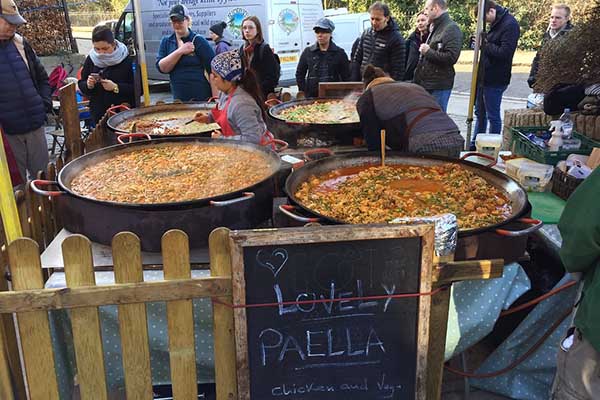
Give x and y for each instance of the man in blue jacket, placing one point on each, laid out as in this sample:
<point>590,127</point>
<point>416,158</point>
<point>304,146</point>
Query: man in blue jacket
<point>24,95</point>
<point>497,56</point>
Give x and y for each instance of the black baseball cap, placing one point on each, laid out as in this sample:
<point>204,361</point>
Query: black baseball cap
<point>179,12</point>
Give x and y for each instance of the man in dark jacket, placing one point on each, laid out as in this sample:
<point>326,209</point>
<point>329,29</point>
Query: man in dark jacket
<point>24,95</point>
<point>381,45</point>
<point>435,70</point>
<point>497,57</point>
<point>324,61</point>
<point>560,24</point>
<point>413,44</point>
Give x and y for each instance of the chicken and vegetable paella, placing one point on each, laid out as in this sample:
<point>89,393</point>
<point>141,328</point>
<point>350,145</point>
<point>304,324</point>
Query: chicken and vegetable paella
<point>375,194</point>
<point>171,173</point>
<point>322,112</point>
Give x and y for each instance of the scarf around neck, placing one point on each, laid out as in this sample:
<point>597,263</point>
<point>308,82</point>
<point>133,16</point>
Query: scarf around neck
<point>108,60</point>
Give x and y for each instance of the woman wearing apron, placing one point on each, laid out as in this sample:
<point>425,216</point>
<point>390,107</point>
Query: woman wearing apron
<point>239,111</point>
<point>412,118</point>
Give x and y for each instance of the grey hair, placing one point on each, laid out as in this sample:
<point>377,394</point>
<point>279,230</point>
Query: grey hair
<point>380,6</point>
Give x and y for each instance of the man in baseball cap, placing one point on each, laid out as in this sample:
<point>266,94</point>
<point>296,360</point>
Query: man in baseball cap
<point>10,13</point>
<point>25,95</point>
<point>324,61</point>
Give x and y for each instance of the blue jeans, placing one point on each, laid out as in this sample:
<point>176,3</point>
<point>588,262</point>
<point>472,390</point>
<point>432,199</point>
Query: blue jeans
<point>442,97</point>
<point>487,107</point>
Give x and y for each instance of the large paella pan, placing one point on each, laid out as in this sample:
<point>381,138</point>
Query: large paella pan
<point>149,187</point>
<point>355,189</point>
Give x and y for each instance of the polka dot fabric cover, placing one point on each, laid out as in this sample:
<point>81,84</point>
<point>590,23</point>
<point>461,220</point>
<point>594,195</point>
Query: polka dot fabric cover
<point>157,332</point>
<point>532,379</point>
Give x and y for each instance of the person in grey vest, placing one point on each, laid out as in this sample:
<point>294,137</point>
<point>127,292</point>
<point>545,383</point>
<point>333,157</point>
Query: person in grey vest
<point>24,95</point>
<point>435,69</point>
<point>412,118</point>
<point>324,61</point>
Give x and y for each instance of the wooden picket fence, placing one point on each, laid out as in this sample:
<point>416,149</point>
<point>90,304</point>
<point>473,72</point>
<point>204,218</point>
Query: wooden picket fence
<point>31,303</point>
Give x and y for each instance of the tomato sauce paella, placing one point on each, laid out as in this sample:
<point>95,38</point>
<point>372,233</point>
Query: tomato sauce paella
<point>376,194</point>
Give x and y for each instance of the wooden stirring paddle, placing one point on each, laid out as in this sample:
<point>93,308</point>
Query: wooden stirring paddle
<point>383,147</point>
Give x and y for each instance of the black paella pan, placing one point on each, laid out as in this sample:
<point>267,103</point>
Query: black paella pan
<point>100,220</point>
<point>342,129</point>
<point>503,240</point>
<point>121,117</point>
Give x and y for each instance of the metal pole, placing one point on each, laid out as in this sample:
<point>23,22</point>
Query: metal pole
<point>141,49</point>
<point>475,72</point>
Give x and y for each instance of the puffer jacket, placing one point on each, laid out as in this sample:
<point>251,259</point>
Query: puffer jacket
<point>321,66</point>
<point>384,49</point>
<point>25,97</point>
<point>535,64</point>
<point>500,46</point>
<point>435,69</point>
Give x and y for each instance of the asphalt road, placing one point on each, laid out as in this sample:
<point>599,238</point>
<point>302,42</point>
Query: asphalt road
<point>517,89</point>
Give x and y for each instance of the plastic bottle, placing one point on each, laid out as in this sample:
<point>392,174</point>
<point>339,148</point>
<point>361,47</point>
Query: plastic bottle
<point>567,125</point>
<point>557,135</point>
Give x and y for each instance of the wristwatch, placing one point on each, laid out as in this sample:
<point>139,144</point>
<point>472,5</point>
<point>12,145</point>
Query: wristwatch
<point>116,89</point>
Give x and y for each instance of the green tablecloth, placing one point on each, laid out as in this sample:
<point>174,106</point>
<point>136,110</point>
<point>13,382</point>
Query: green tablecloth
<point>546,206</point>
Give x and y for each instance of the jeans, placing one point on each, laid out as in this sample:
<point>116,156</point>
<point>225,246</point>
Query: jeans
<point>487,107</point>
<point>442,97</point>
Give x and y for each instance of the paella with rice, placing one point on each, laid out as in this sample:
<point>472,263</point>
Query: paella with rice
<point>322,112</point>
<point>375,194</point>
<point>171,173</point>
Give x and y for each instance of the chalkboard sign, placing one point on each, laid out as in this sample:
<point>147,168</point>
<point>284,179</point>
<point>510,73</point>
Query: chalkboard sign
<point>309,331</point>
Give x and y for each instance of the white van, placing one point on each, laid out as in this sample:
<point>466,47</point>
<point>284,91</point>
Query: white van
<point>348,27</point>
<point>287,26</point>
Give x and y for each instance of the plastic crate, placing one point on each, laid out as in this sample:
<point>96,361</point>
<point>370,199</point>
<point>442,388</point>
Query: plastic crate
<point>563,184</point>
<point>521,145</point>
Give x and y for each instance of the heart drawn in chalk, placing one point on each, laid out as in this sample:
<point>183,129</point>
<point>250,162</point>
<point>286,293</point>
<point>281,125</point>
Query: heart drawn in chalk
<point>274,261</point>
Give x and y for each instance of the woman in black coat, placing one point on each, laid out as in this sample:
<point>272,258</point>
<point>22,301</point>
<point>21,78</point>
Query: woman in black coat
<point>258,55</point>
<point>107,74</point>
<point>414,41</point>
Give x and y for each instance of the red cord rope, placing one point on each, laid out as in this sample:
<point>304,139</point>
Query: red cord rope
<point>289,303</point>
<point>538,299</point>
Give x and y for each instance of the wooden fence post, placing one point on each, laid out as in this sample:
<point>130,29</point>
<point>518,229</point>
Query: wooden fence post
<point>133,324</point>
<point>223,329</point>
<point>85,321</point>
<point>34,327</point>
<point>180,317</point>
<point>70,118</point>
